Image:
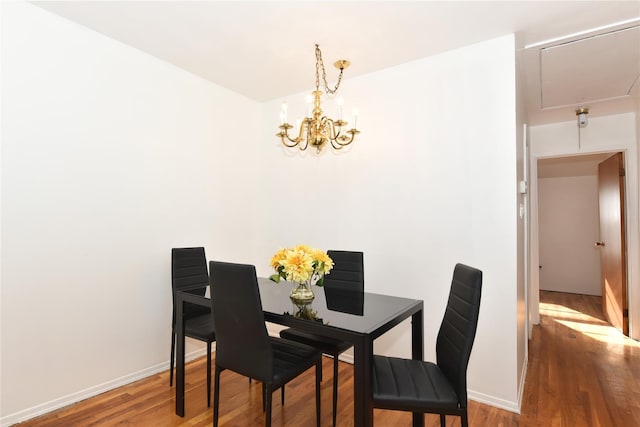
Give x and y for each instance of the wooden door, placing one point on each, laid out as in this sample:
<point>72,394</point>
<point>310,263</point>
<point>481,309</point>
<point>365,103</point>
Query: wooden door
<point>612,242</point>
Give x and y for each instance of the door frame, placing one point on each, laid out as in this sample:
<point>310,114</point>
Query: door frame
<point>632,231</point>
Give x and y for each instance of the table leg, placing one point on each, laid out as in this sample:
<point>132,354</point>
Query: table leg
<point>179,357</point>
<point>417,353</point>
<point>362,391</point>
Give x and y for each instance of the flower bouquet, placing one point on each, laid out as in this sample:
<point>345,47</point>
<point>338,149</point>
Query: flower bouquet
<point>302,265</point>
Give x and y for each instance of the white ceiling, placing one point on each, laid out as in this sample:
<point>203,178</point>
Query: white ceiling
<point>264,49</point>
<point>593,60</point>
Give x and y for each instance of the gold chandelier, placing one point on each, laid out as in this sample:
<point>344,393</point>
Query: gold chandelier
<point>318,129</point>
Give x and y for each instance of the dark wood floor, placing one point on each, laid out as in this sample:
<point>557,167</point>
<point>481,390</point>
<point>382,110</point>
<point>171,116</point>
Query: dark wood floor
<point>581,373</point>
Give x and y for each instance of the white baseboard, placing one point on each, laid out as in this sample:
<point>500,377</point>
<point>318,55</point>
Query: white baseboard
<point>501,403</point>
<point>72,398</point>
<point>523,380</point>
<point>493,401</point>
<point>345,357</point>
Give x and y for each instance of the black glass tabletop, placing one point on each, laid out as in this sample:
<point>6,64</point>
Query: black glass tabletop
<point>359,312</point>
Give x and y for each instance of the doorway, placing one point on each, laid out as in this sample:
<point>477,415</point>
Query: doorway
<point>569,228</point>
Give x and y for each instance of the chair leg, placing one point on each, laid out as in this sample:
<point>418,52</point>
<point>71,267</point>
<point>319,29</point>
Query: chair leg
<point>216,396</point>
<point>208,374</point>
<point>173,354</point>
<point>443,420</point>
<point>463,419</point>
<point>318,379</point>
<point>335,388</point>
<point>264,397</point>
<point>282,395</point>
<point>269,395</point>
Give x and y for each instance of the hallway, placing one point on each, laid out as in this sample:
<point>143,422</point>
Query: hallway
<point>582,372</point>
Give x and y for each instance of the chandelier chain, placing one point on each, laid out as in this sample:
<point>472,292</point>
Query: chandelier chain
<point>320,64</point>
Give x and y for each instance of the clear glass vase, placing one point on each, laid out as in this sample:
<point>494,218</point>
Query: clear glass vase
<point>306,311</point>
<point>302,293</point>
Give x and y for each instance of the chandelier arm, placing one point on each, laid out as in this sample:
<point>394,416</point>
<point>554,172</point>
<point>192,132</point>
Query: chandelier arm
<point>327,123</point>
<point>333,134</point>
<point>304,124</point>
<point>285,134</point>
<point>336,145</point>
<point>306,140</point>
<point>353,135</point>
<point>294,142</point>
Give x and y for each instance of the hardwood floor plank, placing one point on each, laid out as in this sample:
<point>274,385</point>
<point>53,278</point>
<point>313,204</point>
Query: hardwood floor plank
<point>581,373</point>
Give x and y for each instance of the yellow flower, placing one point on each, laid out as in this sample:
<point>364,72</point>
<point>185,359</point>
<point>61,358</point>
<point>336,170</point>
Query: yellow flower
<point>303,248</point>
<point>277,257</point>
<point>298,265</point>
<point>324,263</point>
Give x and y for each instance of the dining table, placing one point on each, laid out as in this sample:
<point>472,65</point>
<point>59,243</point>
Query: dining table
<point>356,317</point>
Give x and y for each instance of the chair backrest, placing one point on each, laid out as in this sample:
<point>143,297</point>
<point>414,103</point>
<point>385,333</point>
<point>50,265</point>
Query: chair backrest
<point>188,268</point>
<point>242,340</point>
<point>347,272</point>
<point>458,328</point>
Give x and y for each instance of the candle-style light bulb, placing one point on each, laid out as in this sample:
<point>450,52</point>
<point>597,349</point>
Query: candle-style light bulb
<point>309,100</point>
<point>340,103</point>
<point>355,118</point>
<point>283,114</point>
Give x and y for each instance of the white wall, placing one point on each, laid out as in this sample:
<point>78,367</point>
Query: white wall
<point>603,134</point>
<point>635,326</point>
<point>109,158</point>
<point>569,225</point>
<point>431,181</point>
<point>522,209</point>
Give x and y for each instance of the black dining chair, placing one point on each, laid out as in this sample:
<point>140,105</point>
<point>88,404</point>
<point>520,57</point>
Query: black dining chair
<point>438,388</point>
<point>243,343</point>
<point>189,272</point>
<point>346,276</point>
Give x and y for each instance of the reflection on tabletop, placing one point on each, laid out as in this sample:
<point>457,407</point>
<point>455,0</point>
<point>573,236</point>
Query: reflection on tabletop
<point>344,301</point>
<point>305,311</point>
<point>338,300</point>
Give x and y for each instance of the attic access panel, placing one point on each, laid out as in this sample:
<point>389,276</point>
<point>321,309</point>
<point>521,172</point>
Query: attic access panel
<point>592,69</point>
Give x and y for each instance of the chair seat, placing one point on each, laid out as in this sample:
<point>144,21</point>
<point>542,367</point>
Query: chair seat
<point>326,345</point>
<point>200,327</point>
<point>408,384</point>
<point>288,358</point>
<point>194,310</point>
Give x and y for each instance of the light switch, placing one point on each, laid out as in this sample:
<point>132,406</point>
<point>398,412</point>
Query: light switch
<point>523,187</point>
